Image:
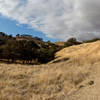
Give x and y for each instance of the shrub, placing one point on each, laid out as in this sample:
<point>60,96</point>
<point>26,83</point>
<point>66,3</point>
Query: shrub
<point>93,40</point>
<point>71,41</point>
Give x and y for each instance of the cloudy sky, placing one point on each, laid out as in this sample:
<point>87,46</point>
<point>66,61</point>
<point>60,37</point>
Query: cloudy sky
<point>54,19</point>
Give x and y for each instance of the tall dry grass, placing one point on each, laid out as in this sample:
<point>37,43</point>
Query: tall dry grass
<point>53,81</point>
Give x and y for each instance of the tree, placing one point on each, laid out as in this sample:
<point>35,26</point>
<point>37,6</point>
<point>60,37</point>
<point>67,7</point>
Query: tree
<point>18,35</point>
<point>27,50</point>
<point>47,54</point>
<point>9,50</point>
<point>71,41</point>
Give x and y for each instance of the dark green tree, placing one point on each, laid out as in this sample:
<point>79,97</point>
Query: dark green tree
<point>71,41</point>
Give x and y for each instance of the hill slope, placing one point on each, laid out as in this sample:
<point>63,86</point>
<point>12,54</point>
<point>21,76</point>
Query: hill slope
<point>71,76</point>
<point>86,52</point>
<point>26,49</point>
<point>87,58</point>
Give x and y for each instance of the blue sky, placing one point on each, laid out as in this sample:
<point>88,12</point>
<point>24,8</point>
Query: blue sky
<point>12,27</point>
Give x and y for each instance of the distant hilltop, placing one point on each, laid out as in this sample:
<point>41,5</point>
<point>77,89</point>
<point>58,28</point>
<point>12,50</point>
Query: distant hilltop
<point>26,49</point>
<point>32,50</point>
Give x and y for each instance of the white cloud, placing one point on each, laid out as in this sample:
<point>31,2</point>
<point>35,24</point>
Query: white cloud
<point>58,19</point>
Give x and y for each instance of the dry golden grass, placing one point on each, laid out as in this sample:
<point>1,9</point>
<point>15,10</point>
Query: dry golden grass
<point>53,81</point>
<point>60,43</point>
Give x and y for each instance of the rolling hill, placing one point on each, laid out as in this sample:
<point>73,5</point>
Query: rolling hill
<point>73,75</point>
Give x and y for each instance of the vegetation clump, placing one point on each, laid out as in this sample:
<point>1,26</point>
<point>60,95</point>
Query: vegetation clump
<point>71,41</point>
<point>92,40</point>
<point>26,49</point>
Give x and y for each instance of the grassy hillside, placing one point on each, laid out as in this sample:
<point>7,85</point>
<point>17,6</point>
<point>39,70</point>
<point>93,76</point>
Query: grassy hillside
<point>26,49</point>
<point>71,76</point>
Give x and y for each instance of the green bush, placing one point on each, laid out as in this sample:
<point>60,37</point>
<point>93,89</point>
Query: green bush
<point>93,40</point>
<point>71,41</point>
